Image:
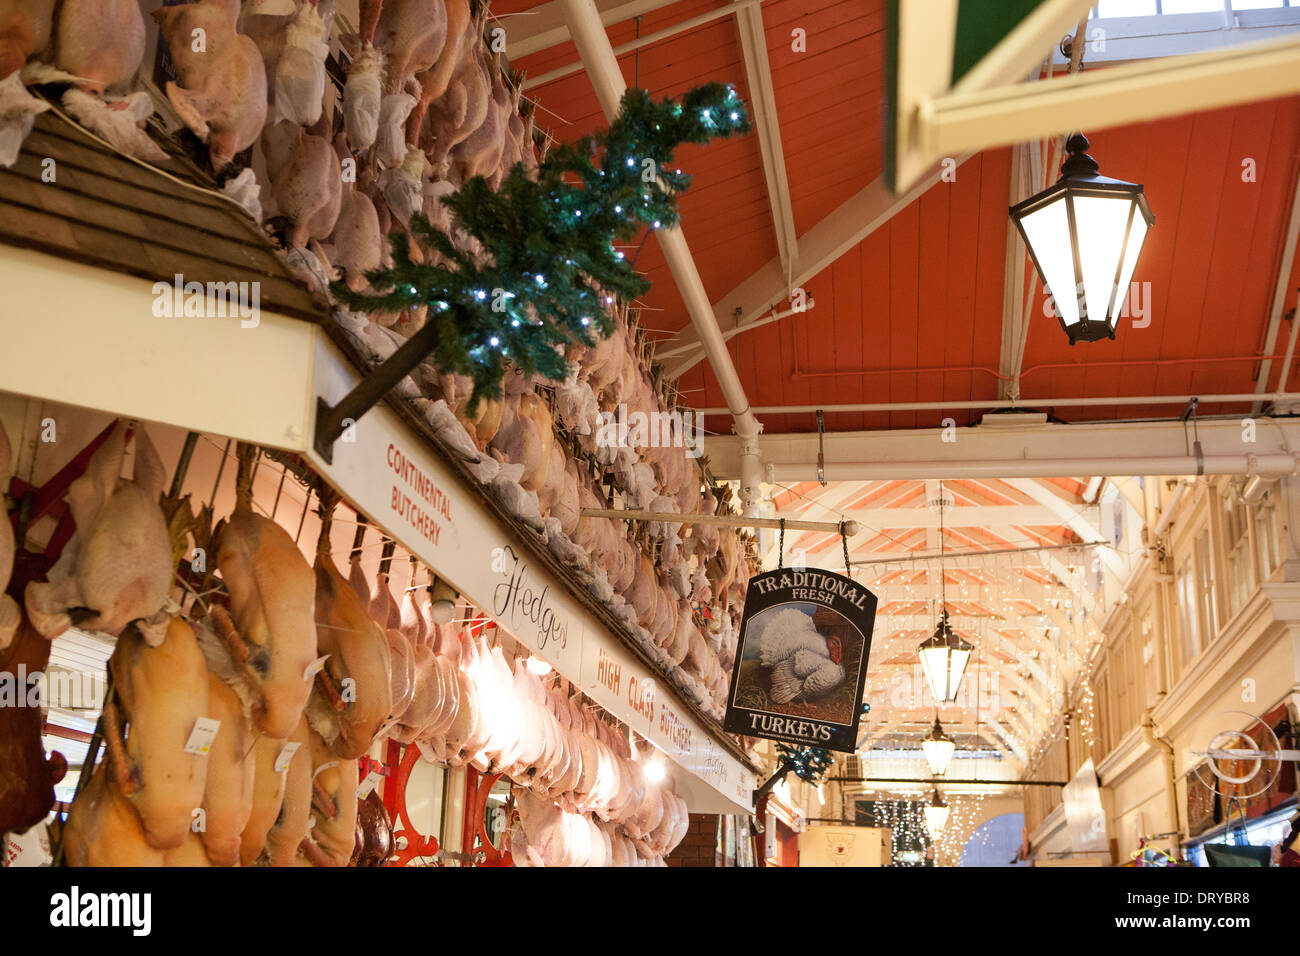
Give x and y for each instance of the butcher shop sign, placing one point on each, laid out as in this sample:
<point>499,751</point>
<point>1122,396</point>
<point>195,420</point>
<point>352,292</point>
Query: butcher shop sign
<point>802,660</point>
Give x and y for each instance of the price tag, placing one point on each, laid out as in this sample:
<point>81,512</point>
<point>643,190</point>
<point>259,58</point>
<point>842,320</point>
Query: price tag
<point>286,756</point>
<point>201,737</point>
<point>315,667</point>
<point>367,786</point>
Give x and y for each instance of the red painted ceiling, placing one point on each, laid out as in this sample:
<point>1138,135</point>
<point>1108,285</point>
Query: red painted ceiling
<point>914,312</point>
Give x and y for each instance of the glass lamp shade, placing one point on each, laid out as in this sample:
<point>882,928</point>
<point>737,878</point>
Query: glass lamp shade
<point>1085,233</point>
<point>442,601</point>
<point>943,658</point>
<point>936,816</point>
<point>938,748</point>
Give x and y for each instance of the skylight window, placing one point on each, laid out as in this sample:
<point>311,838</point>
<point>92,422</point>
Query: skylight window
<point>1150,8</point>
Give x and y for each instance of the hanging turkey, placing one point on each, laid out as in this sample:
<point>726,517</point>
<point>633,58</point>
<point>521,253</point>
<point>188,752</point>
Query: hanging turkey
<point>805,664</point>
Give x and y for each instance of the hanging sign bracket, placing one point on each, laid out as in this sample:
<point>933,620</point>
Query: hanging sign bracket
<point>333,420</point>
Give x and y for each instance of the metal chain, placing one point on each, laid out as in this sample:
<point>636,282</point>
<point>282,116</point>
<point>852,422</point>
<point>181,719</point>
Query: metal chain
<point>780,547</point>
<point>844,540</point>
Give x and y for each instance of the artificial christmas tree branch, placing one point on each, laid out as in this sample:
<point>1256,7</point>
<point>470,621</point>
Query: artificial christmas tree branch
<point>548,271</point>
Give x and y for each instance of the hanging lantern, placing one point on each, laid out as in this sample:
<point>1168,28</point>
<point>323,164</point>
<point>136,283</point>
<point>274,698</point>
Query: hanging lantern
<point>943,658</point>
<point>1085,234</point>
<point>938,748</point>
<point>936,816</point>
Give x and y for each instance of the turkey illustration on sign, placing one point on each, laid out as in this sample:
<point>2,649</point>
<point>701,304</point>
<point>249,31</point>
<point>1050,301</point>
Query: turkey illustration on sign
<point>802,662</point>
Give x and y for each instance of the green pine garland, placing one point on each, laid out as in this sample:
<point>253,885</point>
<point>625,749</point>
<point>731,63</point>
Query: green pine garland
<point>808,763</point>
<point>549,270</point>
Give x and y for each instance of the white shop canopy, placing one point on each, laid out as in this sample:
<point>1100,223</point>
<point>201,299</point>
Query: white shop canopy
<point>86,336</point>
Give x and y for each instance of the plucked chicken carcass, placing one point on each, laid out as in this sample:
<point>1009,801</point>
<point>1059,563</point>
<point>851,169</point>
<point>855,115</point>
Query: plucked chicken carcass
<point>479,154</point>
<point>501,711</point>
<point>223,90</point>
<point>161,692</point>
<point>228,795</point>
<point>805,664</point>
<point>352,696</point>
<point>414,626</point>
<point>306,181</point>
<point>470,728</point>
<point>384,609</point>
<point>436,79</point>
<point>463,109</point>
<point>99,41</point>
<point>103,828</point>
<point>332,838</point>
<point>268,798</point>
<point>294,817</point>
<point>264,643</point>
<point>402,674</point>
<point>117,569</point>
<point>412,34</point>
<point>24,31</point>
<point>358,243</point>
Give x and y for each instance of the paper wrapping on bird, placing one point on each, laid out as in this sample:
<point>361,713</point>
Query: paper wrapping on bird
<point>300,72</point>
<point>390,141</point>
<point>18,110</point>
<point>363,96</point>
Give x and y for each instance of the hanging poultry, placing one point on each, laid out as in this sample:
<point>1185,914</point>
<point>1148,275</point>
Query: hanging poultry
<point>228,795</point>
<point>268,798</point>
<point>222,96</point>
<point>352,694</point>
<point>161,692</point>
<point>293,820</point>
<point>331,840</point>
<point>25,27</point>
<point>117,568</point>
<point>99,41</point>
<point>263,644</point>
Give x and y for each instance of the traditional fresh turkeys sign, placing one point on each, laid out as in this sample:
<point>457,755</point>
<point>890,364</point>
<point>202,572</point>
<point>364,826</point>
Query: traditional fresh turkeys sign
<point>802,660</point>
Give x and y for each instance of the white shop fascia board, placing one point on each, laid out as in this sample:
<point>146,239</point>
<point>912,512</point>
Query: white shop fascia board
<point>404,486</point>
<point>85,336</point>
<point>88,337</point>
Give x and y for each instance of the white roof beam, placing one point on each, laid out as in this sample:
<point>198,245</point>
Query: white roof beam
<point>762,107</point>
<point>544,25</point>
<point>1021,447</point>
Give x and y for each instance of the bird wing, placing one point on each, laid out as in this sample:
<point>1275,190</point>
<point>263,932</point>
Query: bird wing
<point>786,685</point>
<point>824,679</point>
<point>807,660</point>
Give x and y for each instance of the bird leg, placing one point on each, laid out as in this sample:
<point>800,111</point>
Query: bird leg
<point>330,688</point>
<point>322,802</point>
<point>119,761</point>
<point>225,629</point>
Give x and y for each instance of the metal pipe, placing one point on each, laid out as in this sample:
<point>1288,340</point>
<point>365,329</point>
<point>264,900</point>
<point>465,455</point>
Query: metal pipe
<point>1167,512</point>
<point>690,24</point>
<point>945,782</point>
<point>850,528</point>
<point>1174,465</point>
<point>588,33</point>
<point>1279,292</point>
<point>1021,404</point>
